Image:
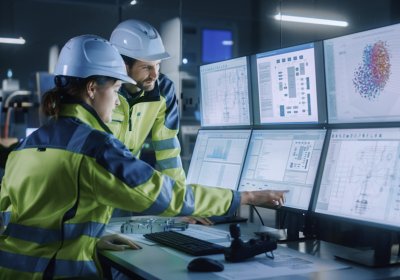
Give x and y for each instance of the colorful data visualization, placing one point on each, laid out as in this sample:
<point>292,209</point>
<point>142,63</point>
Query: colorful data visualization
<point>373,73</point>
<point>362,76</point>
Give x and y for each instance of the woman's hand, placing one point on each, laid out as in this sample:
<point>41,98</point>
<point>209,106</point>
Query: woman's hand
<point>116,242</point>
<point>194,220</point>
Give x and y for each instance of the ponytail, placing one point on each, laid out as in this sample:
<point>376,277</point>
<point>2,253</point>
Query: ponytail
<point>51,102</point>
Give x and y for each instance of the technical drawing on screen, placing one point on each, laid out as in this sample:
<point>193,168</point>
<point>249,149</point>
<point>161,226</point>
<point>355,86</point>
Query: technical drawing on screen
<point>284,159</point>
<point>361,179</point>
<point>362,76</point>
<point>218,157</point>
<point>225,93</point>
<point>289,84</point>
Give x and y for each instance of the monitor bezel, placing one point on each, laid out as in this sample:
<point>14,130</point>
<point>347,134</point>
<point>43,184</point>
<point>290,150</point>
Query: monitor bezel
<point>320,88</point>
<point>317,187</point>
<point>249,96</point>
<point>286,208</point>
<point>349,122</point>
<point>228,130</point>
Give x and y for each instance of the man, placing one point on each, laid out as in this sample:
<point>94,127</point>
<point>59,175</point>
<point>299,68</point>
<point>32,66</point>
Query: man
<point>151,105</point>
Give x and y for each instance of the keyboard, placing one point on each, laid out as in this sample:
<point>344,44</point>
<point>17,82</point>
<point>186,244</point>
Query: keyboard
<point>184,243</point>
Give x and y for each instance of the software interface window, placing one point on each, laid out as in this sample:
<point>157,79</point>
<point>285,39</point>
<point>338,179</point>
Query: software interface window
<point>287,86</point>
<point>225,93</point>
<point>283,160</point>
<point>361,178</point>
<point>362,76</point>
<point>218,158</point>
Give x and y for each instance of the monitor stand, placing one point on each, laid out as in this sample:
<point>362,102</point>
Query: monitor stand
<point>380,255</point>
<point>292,231</point>
<point>294,225</point>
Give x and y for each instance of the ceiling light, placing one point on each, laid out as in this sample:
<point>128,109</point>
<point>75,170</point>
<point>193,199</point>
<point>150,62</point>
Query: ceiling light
<point>311,20</point>
<point>133,2</point>
<point>18,41</point>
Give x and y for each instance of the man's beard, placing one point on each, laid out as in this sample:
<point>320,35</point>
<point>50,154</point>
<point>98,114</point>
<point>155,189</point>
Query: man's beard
<point>146,86</point>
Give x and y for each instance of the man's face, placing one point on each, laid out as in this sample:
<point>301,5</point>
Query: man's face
<point>145,73</point>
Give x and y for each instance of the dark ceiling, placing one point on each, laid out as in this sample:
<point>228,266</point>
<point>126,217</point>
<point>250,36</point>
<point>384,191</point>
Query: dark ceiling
<point>44,23</point>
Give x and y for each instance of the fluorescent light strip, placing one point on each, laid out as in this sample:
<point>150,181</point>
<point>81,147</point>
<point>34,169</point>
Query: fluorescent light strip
<point>311,20</point>
<point>18,41</point>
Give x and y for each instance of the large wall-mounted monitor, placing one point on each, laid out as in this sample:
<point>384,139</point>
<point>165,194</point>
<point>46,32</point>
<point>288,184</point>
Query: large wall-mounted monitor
<point>225,93</point>
<point>217,45</point>
<point>361,179</point>
<point>218,157</point>
<point>362,76</point>
<point>289,85</point>
<point>284,160</point>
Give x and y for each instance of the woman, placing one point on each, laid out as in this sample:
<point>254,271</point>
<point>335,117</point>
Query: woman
<point>63,181</point>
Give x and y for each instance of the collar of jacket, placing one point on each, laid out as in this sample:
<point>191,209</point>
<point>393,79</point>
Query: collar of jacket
<point>141,96</point>
<point>85,113</point>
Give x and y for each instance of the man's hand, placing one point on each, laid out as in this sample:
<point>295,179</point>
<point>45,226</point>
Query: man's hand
<point>116,242</point>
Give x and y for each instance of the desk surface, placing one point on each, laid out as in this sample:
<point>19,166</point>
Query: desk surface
<point>158,262</point>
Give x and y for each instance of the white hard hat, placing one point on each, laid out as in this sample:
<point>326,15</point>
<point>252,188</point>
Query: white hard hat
<point>139,40</point>
<point>89,55</point>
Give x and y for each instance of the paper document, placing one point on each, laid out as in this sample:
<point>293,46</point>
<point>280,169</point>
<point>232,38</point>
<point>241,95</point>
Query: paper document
<point>286,262</point>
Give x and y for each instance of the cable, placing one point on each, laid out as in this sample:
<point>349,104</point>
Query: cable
<point>258,214</point>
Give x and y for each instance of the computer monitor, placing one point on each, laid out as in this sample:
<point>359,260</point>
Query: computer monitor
<point>30,130</point>
<point>284,160</point>
<point>218,158</point>
<point>360,185</point>
<point>361,178</point>
<point>289,85</point>
<point>217,45</point>
<point>362,76</point>
<point>225,93</point>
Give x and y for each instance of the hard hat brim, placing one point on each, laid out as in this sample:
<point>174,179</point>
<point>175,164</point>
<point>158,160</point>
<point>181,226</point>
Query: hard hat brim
<point>160,56</point>
<point>126,79</point>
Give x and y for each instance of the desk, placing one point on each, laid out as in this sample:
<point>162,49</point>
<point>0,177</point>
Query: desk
<point>154,262</point>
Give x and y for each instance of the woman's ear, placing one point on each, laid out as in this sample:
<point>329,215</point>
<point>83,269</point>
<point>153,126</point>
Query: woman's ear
<point>91,89</point>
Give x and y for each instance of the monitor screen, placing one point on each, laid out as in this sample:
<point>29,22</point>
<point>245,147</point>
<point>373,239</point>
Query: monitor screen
<point>290,85</point>
<point>225,91</point>
<point>30,130</point>
<point>284,160</point>
<point>218,157</point>
<point>362,76</point>
<point>217,45</point>
<point>361,178</point>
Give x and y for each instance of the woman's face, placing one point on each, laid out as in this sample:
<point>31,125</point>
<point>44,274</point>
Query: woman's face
<point>104,99</point>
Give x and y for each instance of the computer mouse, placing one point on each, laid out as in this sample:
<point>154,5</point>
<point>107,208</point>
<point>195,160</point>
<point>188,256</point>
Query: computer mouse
<point>204,264</point>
